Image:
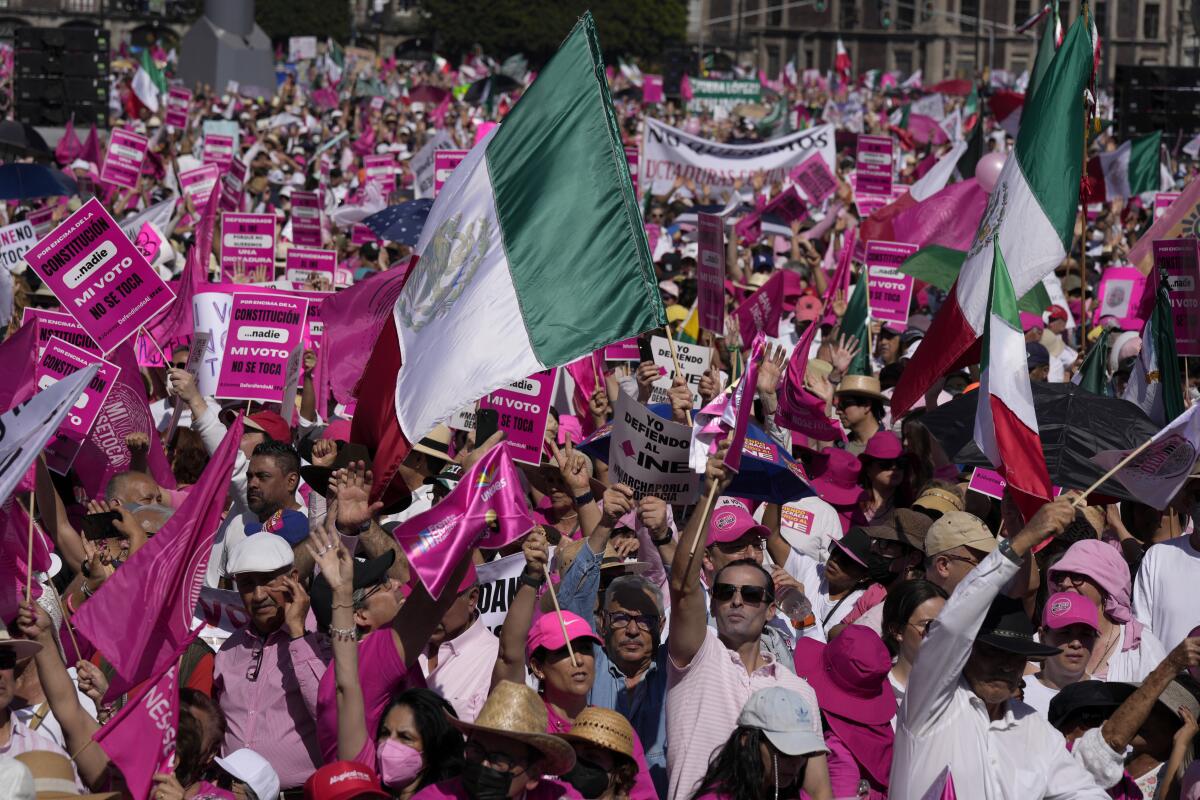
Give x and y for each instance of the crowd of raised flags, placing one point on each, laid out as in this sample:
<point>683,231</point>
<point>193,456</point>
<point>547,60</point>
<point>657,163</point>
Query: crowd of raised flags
<point>499,431</point>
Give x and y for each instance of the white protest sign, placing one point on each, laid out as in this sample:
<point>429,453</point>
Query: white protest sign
<point>693,360</point>
<point>932,105</point>
<point>649,454</point>
<point>15,241</point>
<point>301,48</point>
<point>497,585</point>
<point>423,166</point>
<point>210,310</point>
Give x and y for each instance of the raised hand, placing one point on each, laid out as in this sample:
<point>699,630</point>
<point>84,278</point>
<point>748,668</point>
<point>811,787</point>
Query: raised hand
<point>618,501</point>
<point>843,352</point>
<point>352,488</point>
<point>572,465</point>
<point>770,370</point>
<point>326,549</point>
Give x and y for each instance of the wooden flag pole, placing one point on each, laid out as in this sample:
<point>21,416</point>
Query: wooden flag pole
<point>29,552</point>
<point>558,611</point>
<point>709,499</point>
<point>675,363</point>
<point>1079,501</point>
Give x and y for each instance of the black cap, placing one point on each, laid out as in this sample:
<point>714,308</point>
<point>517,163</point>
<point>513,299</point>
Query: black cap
<point>367,572</point>
<point>1007,627</point>
<point>1100,696</point>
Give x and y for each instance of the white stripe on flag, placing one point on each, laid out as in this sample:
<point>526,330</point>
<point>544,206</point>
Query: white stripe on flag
<point>1007,379</point>
<point>1115,165</point>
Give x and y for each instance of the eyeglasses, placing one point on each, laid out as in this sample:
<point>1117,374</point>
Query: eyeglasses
<point>1071,579</point>
<point>619,620</point>
<point>8,658</point>
<point>922,627</point>
<point>255,665</point>
<point>501,762</point>
<point>368,593</point>
<point>179,364</point>
<point>963,559</point>
<point>751,595</point>
<point>733,548</point>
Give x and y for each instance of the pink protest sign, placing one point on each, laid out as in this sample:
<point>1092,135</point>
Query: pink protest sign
<point>232,184</point>
<point>710,273</point>
<point>59,360</point>
<point>99,276</point>
<point>178,101</point>
<point>58,324</point>
<point>626,350</point>
<point>361,234</point>
<point>148,242</point>
<point>146,351</point>
<point>873,164</point>
<point>815,179</point>
<point>123,162</point>
<point>42,220</point>
<point>1162,201</point>
<point>197,184</point>
<point>988,482</point>
<point>304,264</point>
<point>444,162</point>
<point>263,347</point>
<point>1181,260</point>
<point>306,219</point>
<point>1121,290</point>
<point>248,246</point>
<point>314,327</point>
<point>218,149</point>
<point>522,409</point>
<point>889,291</point>
<point>381,169</point>
<point>787,206</point>
<point>652,88</point>
<point>632,158</point>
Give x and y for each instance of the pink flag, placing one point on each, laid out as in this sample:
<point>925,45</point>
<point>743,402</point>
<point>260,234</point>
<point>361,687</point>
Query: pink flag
<point>685,87</point>
<point>126,410</point>
<point>69,146</point>
<point>161,581</point>
<point>799,409</point>
<point>948,218</point>
<point>140,739</point>
<point>759,313</point>
<point>14,555</point>
<point>174,325</point>
<point>18,365</point>
<point>353,317</point>
<point>438,539</point>
<point>583,371</point>
<point>737,412</point>
<point>91,147</point>
<point>438,115</point>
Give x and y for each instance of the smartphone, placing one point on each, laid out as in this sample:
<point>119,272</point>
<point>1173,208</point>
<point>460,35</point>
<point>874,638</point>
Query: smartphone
<point>645,351</point>
<point>487,420</point>
<point>100,526</point>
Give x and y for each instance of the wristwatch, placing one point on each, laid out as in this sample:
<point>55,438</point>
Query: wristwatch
<point>585,498</point>
<point>1006,550</point>
<point>664,541</point>
<point>534,582</point>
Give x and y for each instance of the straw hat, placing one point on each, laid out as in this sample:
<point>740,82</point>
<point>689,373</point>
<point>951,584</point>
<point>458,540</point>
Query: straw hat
<point>436,443</point>
<point>54,779</point>
<point>604,728</point>
<point>23,647</point>
<point>866,385</point>
<point>515,711</point>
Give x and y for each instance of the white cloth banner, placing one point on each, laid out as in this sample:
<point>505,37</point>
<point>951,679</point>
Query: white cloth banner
<point>668,153</point>
<point>422,164</point>
<point>649,454</point>
<point>1155,475</point>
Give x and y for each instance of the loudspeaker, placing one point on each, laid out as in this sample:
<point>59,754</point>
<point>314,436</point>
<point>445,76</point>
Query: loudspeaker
<point>1150,98</point>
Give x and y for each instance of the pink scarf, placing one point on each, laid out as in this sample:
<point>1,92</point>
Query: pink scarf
<point>1103,565</point>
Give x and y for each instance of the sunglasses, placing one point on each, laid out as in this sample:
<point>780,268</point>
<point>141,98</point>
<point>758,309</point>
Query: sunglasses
<point>851,400</point>
<point>886,463</point>
<point>179,364</point>
<point>256,660</point>
<point>8,658</point>
<point>751,595</point>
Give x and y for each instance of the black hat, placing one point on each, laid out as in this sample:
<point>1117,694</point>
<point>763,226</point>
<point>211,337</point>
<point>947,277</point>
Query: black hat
<point>348,452</point>
<point>1007,627</point>
<point>367,572</point>
<point>1101,696</point>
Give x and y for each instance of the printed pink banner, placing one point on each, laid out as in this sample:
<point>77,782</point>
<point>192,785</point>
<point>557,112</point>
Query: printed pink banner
<point>361,234</point>
<point>248,246</point>
<point>99,276</point>
<point>632,159</point>
<point>263,347</point>
<point>233,185</point>
<point>1181,260</point>
<point>522,408</point>
<point>123,162</point>
<point>815,179</point>
<point>444,162</point>
<point>1121,290</point>
<point>42,220</point>
<point>306,219</point>
<point>178,101</point>
<point>61,324</point>
<point>988,482</point>
<point>652,88</point>
<point>197,184</point>
<point>1162,201</point>
<point>873,164</point>
<point>147,353</point>
<point>889,291</point>
<point>59,360</point>
<point>314,325</point>
<point>149,242</point>
<point>381,169</point>
<point>304,264</point>
<point>218,150</point>
<point>710,273</point>
<point>623,351</point>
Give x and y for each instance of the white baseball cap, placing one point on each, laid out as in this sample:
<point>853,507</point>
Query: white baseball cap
<point>786,718</point>
<point>260,552</point>
<point>253,770</point>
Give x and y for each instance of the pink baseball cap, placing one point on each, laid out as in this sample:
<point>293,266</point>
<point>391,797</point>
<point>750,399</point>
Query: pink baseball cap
<point>1068,608</point>
<point>1029,321</point>
<point>547,632</point>
<point>732,522</point>
<point>808,308</point>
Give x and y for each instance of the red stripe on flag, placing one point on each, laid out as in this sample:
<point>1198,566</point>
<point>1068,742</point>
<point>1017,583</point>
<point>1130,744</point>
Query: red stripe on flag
<point>1022,463</point>
<point>878,226</point>
<point>375,424</point>
<point>958,346</point>
<point>1095,189</point>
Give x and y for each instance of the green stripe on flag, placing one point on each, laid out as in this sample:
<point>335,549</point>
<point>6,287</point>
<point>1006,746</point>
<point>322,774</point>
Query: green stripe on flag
<point>939,266</point>
<point>557,165</point>
<point>1093,374</point>
<point>854,323</point>
<point>1162,328</point>
<point>1144,163</point>
<point>1045,52</point>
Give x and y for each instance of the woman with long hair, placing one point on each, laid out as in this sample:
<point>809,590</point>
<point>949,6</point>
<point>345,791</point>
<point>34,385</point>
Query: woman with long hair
<point>767,755</point>
<point>415,744</point>
<point>885,478</point>
<point>909,610</point>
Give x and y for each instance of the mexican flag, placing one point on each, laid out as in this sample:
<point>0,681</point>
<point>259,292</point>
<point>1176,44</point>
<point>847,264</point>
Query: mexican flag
<point>1155,384</point>
<point>148,83</point>
<point>1030,217</point>
<point>532,256</point>
<point>1052,37</point>
<point>1130,170</point>
<point>1005,422</point>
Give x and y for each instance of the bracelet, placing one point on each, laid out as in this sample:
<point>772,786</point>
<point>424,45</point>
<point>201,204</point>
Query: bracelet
<point>585,498</point>
<point>70,603</point>
<point>87,590</point>
<point>343,634</point>
<point>342,605</point>
<point>664,541</point>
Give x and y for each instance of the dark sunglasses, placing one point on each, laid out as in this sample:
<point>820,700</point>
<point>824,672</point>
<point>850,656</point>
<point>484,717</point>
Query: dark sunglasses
<point>751,595</point>
<point>886,463</point>
<point>8,658</point>
<point>582,647</point>
<point>178,364</point>
<point>851,400</point>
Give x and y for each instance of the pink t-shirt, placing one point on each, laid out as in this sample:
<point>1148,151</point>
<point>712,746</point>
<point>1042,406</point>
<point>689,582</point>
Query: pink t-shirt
<point>453,790</point>
<point>382,674</point>
<point>643,786</point>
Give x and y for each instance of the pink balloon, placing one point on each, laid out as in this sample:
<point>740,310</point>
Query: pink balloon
<point>987,171</point>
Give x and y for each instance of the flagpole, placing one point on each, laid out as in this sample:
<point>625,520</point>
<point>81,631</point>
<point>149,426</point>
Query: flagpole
<point>1083,339</point>
<point>1079,501</point>
<point>709,499</point>
<point>675,362</point>
<point>29,557</point>
<point>558,611</point>
<point>66,619</point>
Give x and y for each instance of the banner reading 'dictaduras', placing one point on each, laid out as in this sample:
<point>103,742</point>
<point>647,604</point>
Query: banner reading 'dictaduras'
<point>668,153</point>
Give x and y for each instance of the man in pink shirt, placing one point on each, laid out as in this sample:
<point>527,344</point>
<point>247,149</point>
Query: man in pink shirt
<point>711,673</point>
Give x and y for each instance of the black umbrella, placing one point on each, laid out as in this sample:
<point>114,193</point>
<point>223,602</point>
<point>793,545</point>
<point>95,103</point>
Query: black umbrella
<point>489,88</point>
<point>21,140</point>
<point>1073,424</point>
<point>28,181</point>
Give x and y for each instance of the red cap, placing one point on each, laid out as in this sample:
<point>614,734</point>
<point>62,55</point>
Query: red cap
<point>1058,312</point>
<point>270,423</point>
<point>343,780</point>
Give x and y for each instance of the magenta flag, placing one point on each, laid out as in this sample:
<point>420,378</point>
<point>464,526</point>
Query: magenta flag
<point>69,146</point>
<point>948,218</point>
<point>14,555</point>
<point>140,739</point>
<point>91,147</point>
<point>438,539</point>
<point>18,365</point>
<point>841,276</point>
<point>126,410</point>
<point>759,313</point>
<point>737,412</point>
<point>353,317</point>
<point>942,788</point>
<point>161,581</point>
<point>583,371</point>
<point>799,409</point>
<point>174,326</point>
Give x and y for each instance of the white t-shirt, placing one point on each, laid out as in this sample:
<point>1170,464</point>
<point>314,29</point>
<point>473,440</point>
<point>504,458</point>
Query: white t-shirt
<point>810,526</point>
<point>828,612</point>
<point>1133,666</point>
<point>1038,695</point>
<point>1162,594</point>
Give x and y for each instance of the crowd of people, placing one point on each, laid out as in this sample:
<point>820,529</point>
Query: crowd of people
<point>895,633</point>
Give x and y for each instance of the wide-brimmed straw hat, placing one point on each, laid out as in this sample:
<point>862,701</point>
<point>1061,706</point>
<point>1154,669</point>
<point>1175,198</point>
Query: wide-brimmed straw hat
<point>865,385</point>
<point>515,711</point>
<point>604,728</point>
<point>24,648</point>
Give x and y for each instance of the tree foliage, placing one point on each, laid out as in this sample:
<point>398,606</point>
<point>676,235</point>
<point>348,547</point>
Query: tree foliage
<point>628,28</point>
<point>280,19</point>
